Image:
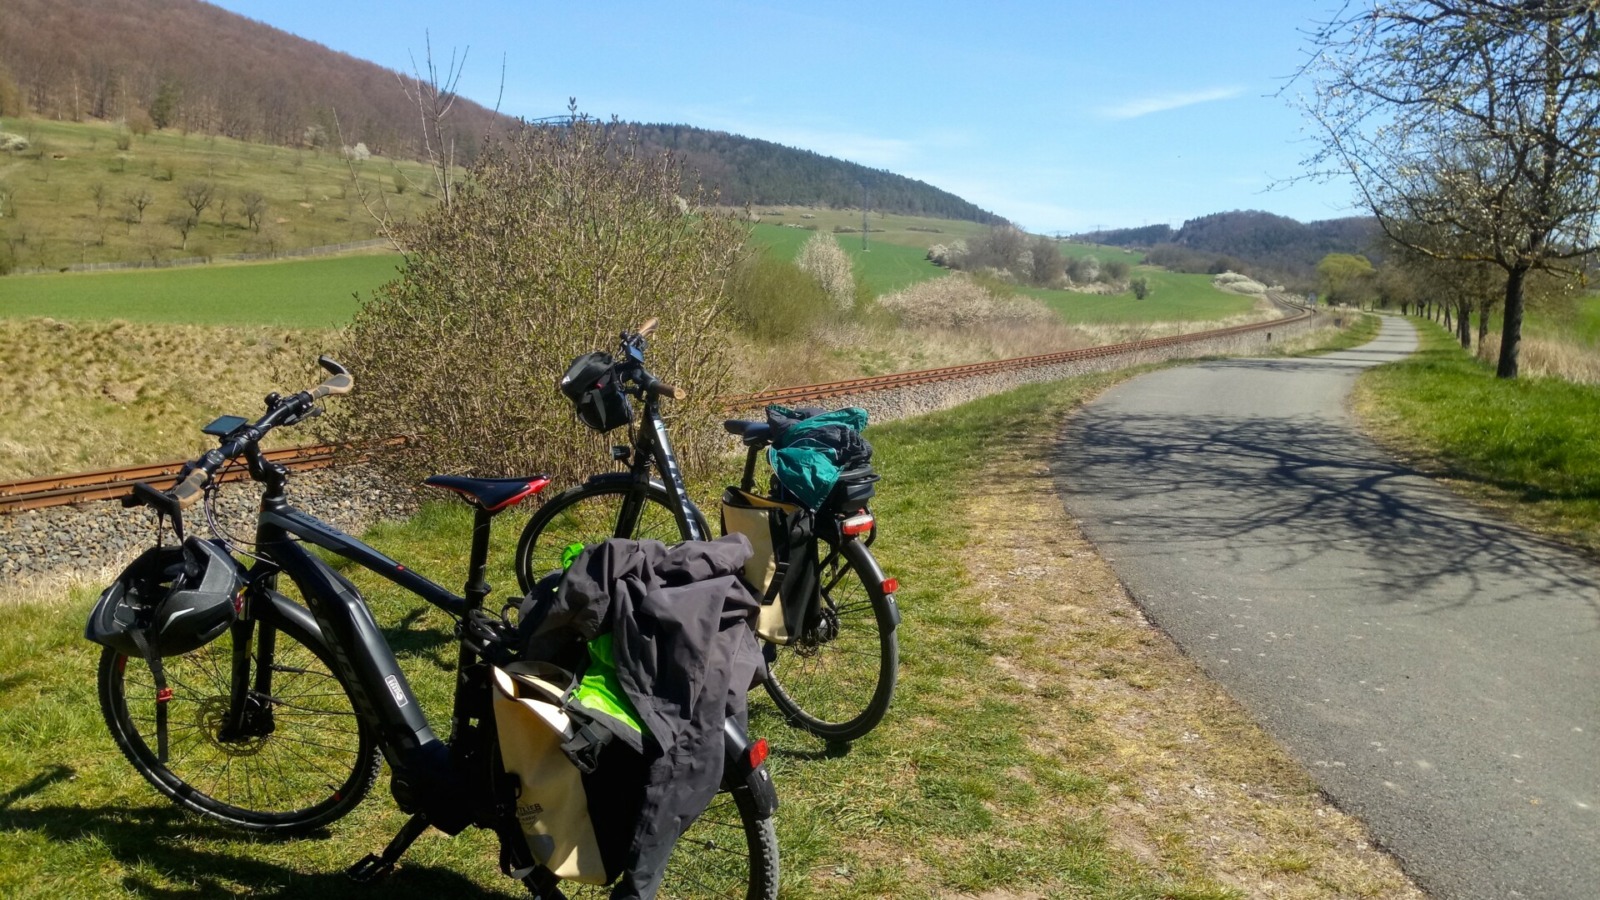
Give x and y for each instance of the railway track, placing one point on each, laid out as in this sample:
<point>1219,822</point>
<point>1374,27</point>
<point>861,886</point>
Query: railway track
<point>111,484</point>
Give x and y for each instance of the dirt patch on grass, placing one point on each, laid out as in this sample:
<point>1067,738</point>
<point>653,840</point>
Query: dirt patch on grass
<point>1130,732</point>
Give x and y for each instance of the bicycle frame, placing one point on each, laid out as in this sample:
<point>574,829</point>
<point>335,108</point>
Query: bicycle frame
<point>653,447</point>
<point>366,664</point>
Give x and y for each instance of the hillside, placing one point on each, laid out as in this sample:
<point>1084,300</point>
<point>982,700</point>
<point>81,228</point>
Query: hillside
<point>752,171</point>
<point>186,67</point>
<point>1268,246</point>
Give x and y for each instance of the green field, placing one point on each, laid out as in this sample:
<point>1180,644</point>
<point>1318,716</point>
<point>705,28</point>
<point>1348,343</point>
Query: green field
<point>883,267</point>
<point>316,293</point>
<point>1174,297</point>
<point>322,293</point>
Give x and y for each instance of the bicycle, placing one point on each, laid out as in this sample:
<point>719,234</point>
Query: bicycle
<point>837,677</point>
<point>278,724</point>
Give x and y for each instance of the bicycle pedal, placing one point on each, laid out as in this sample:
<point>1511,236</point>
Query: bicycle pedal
<point>369,869</point>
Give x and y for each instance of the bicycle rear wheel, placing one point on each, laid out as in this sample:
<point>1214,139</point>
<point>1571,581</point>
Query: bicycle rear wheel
<point>837,680</point>
<point>588,514</point>
<point>301,760</point>
<point>729,853</point>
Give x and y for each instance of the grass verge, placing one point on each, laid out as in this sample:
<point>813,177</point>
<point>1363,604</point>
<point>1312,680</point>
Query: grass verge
<point>1530,447</point>
<point>1045,742</point>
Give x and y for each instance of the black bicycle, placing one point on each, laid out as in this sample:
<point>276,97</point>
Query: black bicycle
<point>834,675</point>
<point>277,722</point>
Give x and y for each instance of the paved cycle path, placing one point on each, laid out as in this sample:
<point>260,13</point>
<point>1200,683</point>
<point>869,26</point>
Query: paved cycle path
<point>1436,670</point>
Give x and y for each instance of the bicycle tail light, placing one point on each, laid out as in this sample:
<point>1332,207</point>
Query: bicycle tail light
<point>858,524</point>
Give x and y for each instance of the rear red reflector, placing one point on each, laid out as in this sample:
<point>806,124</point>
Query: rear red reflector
<point>758,752</point>
<point>891,585</point>
<point>164,695</point>
<point>857,524</point>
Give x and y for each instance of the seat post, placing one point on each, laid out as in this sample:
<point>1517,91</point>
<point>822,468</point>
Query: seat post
<point>749,481</point>
<point>477,587</point>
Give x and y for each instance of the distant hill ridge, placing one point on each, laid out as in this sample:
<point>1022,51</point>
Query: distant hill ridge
<point>190,65</point>
<point>1268,245</point>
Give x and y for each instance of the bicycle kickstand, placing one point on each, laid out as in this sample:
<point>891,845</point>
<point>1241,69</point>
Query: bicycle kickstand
<point>372,866</point>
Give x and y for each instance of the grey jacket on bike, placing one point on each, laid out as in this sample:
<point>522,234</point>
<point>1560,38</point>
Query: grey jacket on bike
<point>682,622</point>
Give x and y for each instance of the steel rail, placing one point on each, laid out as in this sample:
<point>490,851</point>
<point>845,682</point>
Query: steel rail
<point>111,484</point>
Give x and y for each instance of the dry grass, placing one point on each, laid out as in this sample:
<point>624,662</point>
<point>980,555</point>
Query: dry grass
<point>98,394</point>
<point>1546,358</point>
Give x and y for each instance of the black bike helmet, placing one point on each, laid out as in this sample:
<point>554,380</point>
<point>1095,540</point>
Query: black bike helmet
<point>181,598</point>
<point>592,385</point>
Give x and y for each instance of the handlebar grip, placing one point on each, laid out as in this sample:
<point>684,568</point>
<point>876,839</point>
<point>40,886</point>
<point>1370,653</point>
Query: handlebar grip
<point>648,326</point>
<point>667,390</point>
<point>189,489</point>
<point>338,384</point>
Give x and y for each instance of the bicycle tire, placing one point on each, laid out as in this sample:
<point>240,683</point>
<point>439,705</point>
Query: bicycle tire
<point>588,514</point>
<point>313,763</point>
<point>707,864</point>
<point>837,681</point>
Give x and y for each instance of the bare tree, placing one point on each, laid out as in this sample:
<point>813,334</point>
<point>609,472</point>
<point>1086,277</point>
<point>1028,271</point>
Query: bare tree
<point>1478,120</point>
<point>183,223</point>
<point>198,195</point>
<point>434,98</point>
<point>254,205</point>
<point>138,201</point>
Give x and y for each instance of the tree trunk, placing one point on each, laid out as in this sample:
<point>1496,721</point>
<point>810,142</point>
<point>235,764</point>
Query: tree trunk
<point>1448,324</point>
<point>1483,323</point>
<point>1511,333</point>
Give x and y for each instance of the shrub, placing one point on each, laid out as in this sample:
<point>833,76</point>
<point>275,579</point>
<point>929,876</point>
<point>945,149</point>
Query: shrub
<point>824,260</point>
<point>561,238</point>
<point>960,301</point>
<point>1140,287</point>
<point>1114,270</point>
<point>773,301</point>
<point>1084,269</point>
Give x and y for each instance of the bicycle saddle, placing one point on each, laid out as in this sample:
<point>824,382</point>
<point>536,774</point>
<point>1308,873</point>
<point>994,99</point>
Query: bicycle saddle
<point>490,494</point>
<point>754,434</point>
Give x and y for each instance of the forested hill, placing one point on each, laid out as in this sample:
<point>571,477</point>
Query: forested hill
<point>185,64</point>
<point>748,170</point>
<point>1259,242</point>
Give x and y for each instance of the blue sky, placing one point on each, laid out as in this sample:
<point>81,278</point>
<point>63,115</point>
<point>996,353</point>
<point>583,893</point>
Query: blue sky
<point>1061,116</point>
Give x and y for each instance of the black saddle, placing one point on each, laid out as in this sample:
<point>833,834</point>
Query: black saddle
<point>490,494</point>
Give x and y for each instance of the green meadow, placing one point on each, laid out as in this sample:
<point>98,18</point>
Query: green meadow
<point>1173,297</point>
<point>316,293</point>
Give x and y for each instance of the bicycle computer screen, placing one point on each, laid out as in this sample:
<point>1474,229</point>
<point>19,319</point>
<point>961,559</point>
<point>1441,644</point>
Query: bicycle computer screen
<point>224,426</point>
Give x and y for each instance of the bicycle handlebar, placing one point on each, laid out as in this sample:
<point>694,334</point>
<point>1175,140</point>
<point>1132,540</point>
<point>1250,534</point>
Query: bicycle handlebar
<point>633,368</point>
<point>285,411</point>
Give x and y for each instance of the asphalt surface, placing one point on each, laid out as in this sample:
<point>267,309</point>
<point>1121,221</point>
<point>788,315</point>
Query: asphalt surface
<point>1437,671</point>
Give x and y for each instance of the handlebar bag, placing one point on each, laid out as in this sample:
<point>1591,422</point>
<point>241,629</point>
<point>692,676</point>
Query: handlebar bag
<point>592,385</point>
<point>552,807</point>
<point>783,566</point>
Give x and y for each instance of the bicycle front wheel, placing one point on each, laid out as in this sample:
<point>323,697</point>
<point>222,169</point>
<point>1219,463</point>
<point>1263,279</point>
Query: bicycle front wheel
<point>588,514</point>
<point>299,759</point>
<point>836,680</point>
<point>729,853</point>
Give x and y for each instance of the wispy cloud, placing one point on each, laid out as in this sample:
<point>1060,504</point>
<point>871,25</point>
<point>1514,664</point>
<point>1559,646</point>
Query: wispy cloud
<point>1144,106</point>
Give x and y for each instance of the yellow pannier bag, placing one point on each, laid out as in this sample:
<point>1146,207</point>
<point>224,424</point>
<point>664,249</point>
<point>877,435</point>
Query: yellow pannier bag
<point>765,522</point>
<point>552,806</point>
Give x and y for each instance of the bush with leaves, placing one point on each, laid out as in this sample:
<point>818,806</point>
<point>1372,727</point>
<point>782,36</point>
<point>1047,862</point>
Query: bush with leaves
<point>561,237</point>
<point>773,301</point>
